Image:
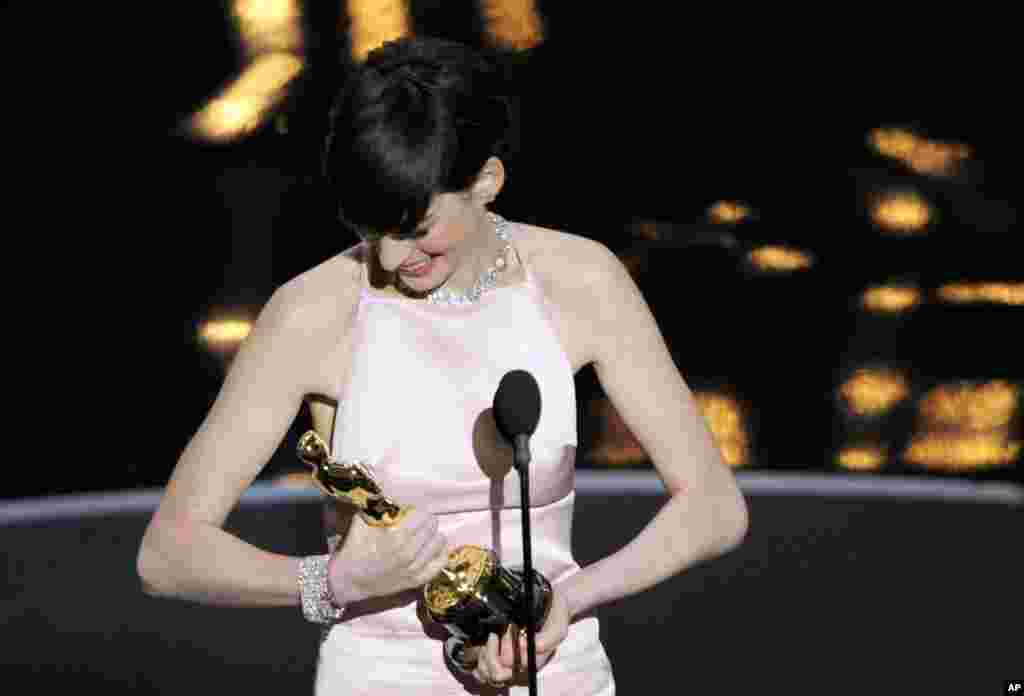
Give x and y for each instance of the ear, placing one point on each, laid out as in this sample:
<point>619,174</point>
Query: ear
<point>489,181</point>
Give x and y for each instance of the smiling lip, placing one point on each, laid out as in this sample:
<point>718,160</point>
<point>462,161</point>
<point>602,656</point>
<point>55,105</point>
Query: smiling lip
<point>418,269</point>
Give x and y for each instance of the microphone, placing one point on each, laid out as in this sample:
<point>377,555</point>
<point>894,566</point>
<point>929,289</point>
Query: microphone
<point>517,412</point>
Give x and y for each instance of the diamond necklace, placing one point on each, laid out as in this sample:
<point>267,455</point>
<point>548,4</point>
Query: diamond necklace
<point>488,280</point>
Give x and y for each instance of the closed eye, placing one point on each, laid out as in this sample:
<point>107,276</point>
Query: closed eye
<point>417,233</point>
<point>376,236</point>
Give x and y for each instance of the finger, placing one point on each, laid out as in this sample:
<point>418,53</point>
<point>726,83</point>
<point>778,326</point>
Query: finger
<point>507,651</point>
<point>483,666</point>
<point>541,640</point>
<point>538,646</point>
<point>490,655</point>
<point>415,520</point>
<point>491,652</point>
<point>433,567</point>
<point>424,522</point>
<point>429,551</point>
<point>417,539</point>
<point>495,668</point>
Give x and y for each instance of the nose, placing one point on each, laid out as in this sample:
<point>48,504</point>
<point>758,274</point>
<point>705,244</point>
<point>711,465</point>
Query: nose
<point>393,252</point>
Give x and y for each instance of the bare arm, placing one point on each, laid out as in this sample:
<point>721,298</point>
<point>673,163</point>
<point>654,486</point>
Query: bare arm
<point>706,514</point>
<point>185,552</point>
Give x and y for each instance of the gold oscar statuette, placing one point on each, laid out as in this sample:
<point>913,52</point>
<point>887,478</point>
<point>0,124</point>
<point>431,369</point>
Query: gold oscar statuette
<point>474,595</point>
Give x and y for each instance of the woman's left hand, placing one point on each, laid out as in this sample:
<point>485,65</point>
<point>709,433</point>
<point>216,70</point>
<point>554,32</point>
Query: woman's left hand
<point>501,661</point>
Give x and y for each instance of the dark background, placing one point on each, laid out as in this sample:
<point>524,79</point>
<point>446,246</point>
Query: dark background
<point>628,113</point>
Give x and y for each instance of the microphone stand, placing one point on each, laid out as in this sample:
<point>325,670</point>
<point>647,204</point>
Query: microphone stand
<point>522,464</point>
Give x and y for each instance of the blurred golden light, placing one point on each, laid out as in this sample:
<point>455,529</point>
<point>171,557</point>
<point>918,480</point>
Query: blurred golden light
<point>294,479</point>
<point>724,418</point>
<point>870,392</point>
<point>646,229</point>
<point>970,406</point>
<point>246,103</point>
<point>958,452</point>
<point>225,333</point>
<point>863,458</point>
<point>995,293</point>
<point>967,426</point>
<point>920,154</point>
<point>893,142</point>
<point>615,444</point>
<point>890,299</point>
<point>901,213</point>
<point>375,22</point>
<point>512,23</point>
<point>728,212</point>
<point>779,259</point>
<point>268,25</point>
<point>734,452</point>
<point>611,455</point>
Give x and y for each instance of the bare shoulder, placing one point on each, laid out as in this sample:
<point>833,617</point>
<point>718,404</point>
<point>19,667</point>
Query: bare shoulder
<point>565,261</point>
<point>582,278</point>
<point>307,320</point>
<point>313,299</point>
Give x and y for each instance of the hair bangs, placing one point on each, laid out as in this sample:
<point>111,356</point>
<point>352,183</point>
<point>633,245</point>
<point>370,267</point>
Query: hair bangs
<point>395,163</point>
<point>419,118</point>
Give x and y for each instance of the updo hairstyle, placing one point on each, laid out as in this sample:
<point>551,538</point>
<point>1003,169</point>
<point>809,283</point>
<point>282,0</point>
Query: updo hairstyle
<point>420,117</point>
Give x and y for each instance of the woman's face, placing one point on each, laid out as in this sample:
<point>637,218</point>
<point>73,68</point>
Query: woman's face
<point>447,238</point>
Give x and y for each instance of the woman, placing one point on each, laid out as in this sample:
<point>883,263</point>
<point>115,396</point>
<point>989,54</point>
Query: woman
<point>408,334</point>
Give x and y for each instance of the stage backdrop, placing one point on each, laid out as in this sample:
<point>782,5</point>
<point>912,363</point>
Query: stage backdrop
<point>891,587</point>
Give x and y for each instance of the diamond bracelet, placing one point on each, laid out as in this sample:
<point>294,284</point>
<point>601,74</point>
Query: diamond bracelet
<point>318,603</point>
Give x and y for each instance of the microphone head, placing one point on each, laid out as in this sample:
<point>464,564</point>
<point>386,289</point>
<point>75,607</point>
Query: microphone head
<point>517,404</point>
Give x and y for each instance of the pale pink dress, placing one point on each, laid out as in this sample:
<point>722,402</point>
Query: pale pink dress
<point>417,407</point>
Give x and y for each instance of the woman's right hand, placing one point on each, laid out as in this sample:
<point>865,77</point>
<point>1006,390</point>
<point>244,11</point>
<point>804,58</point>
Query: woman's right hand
<point>378,561</point>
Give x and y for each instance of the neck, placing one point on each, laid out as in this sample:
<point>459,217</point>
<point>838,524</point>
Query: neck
<point>478,258</point>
